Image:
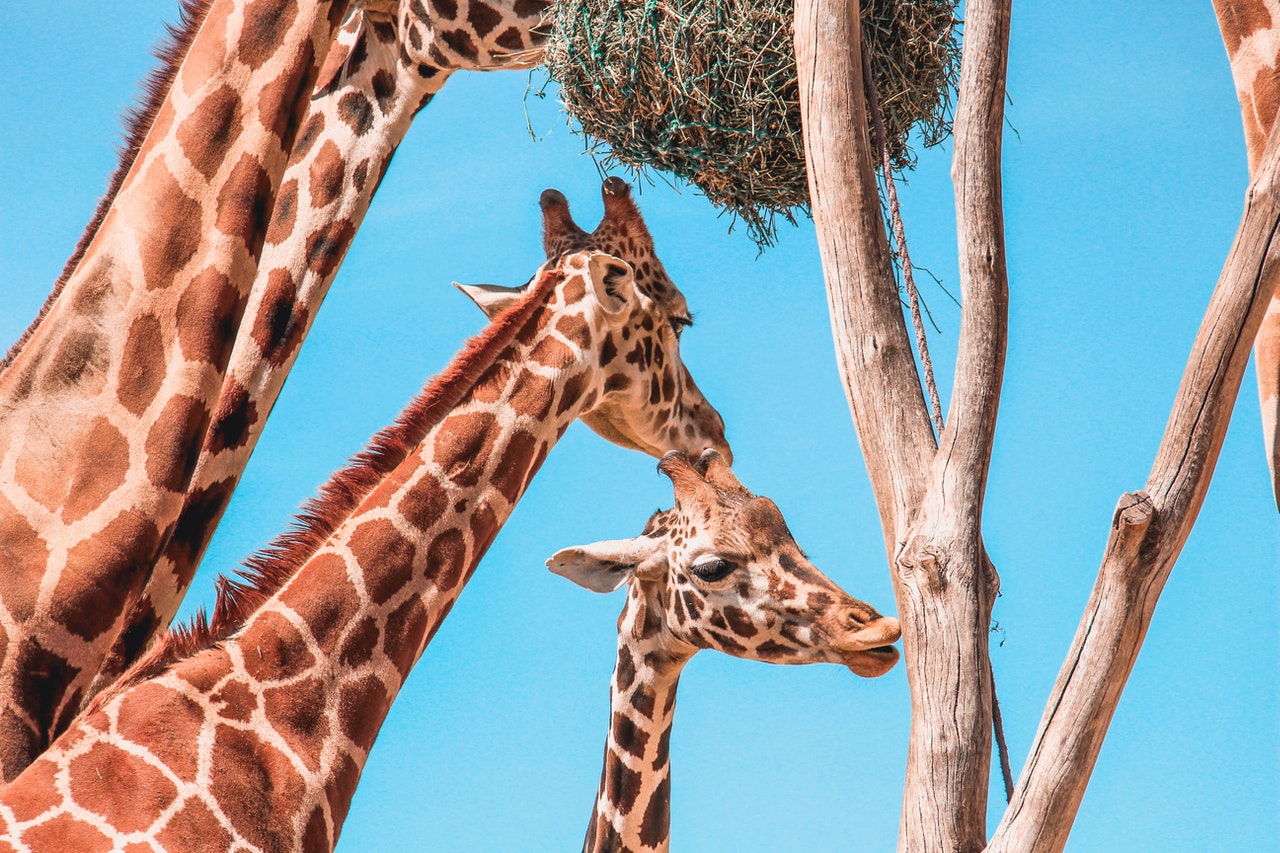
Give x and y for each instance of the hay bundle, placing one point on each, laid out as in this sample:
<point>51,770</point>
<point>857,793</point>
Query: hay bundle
<point>707,90</point>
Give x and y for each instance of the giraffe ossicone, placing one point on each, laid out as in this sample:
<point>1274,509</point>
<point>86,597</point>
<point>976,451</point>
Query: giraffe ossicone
<point>718,571</point>
<point>249,731</point>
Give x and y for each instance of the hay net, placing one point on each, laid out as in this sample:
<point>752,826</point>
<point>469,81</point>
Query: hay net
<point>706,90</point>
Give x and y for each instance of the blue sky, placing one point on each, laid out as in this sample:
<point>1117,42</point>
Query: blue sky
<point>1123,185</point>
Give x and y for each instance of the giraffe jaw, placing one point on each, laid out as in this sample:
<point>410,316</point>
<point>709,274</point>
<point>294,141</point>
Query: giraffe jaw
<point>871,663</point>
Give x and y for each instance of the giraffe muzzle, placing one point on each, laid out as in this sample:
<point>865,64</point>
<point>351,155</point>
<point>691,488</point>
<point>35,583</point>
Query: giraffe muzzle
<point>867,652</point>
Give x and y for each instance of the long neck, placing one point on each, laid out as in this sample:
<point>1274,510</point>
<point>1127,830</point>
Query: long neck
<point>104,407</point>
<point>1251,31</point>
<point>344,630</point>
<point>286,707</point>
<point>633,804</point>
<point>362,609</point>
<point>363,106</point>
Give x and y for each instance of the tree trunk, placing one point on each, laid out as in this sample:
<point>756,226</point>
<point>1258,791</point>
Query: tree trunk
<point>930,496</point>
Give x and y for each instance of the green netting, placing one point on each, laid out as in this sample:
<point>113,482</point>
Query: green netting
<point>706,89</point>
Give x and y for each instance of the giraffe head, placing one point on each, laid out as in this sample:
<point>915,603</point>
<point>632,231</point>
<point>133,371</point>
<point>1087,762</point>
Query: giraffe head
<point>634,316</point>
<point>721,571</point>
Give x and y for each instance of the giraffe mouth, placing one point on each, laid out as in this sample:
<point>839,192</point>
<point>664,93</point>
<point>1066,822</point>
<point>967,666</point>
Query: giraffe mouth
<point>871,663</point>
<point>872,655</point>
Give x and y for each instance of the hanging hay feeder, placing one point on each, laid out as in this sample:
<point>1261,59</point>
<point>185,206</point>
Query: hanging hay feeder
<point>707,90</point>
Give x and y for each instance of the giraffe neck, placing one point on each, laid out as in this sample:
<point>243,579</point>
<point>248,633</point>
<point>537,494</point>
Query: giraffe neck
<point>373,82</point>
<point>105,406</point>
<point>633,803</point>
<point>1251,33</point>
<point>287,699</point>
<point>364,104</point>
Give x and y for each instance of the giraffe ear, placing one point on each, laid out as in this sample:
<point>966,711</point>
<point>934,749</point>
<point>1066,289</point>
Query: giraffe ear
<point>613,281</point>
<point>493,299</point>
<point>605,566</point>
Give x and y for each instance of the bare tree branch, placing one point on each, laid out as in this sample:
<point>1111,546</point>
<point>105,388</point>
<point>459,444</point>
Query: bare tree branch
<point>872,344</point>
<point>943,581</point>
<point>1147,533</point>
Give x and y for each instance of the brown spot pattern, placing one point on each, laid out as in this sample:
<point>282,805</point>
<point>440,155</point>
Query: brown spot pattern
<point>483,18</point>
<point>363,707</point>
<point>621,783</point>
<point>116,560</point>
<point>297,712</point>
<point>142,365</point>
<point>656,822</point>
<point>235,701</point>
<point>255,785</point>
<point>284,213</point>
<point>405,628</point>
<point>167,722</point>
<point>513,469</point>
<point>207,134</point>
<point>358,647</point>
<point>235,414</point>
<point>63,833</point>
<point>280,323</point>
<point>446,559</point>
<point>265,25</point>
<point>327,616</point>
<point>174,441</point>
<point>385,555</point>
<point>532,396</point>
<point>273,648</point>
<point>327,246</point>
<point>244,205</point>
<point>29,801</point>
<point>307,137</point>
<point>462,446</point>
<point>628,736</point>
<point>81,358</point>
<point>194,827</point>
<point>100,465</point>
<point>208,314</point>
<point>424,502</point>
<point>278,103</point>
<point>120,787</point>
<point>326,175</point>
<point>354,109</point>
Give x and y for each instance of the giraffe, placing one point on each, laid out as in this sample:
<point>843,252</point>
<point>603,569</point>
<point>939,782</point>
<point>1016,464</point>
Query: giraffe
<point>105,400</point>
<point>718,571</point>
<point>388,61</point>
<point>249,730</point>
<point>1251,32</point>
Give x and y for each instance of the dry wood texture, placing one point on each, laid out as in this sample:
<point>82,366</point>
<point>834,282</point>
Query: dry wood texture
<point>930,496</point>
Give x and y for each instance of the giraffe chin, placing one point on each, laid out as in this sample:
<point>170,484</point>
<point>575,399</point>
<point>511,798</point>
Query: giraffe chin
<point>612,430</point>
<point>871,663</point>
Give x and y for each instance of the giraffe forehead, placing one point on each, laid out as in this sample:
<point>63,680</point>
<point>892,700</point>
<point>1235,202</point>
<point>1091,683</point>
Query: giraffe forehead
<point>750,526</point>
<point>650,275</point>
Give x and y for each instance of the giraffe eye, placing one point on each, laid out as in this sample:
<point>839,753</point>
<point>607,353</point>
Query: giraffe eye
<point>711,569</point>
<point>679,324</point>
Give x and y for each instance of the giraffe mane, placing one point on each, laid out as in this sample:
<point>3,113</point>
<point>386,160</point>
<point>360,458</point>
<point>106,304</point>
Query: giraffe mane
<point>138,120</point>
<point>266,572</point>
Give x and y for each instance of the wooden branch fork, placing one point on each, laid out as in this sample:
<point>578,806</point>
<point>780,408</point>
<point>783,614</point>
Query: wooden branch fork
<point>930,494</point>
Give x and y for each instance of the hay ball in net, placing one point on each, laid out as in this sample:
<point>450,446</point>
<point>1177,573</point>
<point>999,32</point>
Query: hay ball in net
<point>706,89</point>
